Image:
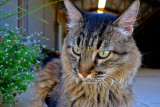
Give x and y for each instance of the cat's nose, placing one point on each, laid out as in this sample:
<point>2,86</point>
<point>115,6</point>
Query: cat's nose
<point>84,70</point>
<point>84,74</point>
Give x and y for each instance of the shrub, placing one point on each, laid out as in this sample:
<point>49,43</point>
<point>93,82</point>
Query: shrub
<point>18,62</point>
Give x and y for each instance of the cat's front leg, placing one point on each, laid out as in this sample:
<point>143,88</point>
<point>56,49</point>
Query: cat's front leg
<point>45,83</point>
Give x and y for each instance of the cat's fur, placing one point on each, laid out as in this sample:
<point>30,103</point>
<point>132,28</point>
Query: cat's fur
<point>109,80</point>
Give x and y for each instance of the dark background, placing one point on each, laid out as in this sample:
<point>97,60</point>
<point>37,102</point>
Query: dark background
<point>147,36</point>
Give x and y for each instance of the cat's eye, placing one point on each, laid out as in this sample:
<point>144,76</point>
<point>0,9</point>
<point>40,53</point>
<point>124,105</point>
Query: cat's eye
<point>103,54</point>
<point>76,51</point>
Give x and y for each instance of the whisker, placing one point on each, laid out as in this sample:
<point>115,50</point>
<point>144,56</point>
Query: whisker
<point>112,83</point>
<point>66,75</point>
<point>117,88</point>
<point>106,84</point>
<point>66,84</point>
<point>101,77</point>
<point>68,78</point>
<point>112,77</point>
<point>116,80</point>
<point>102,83</point>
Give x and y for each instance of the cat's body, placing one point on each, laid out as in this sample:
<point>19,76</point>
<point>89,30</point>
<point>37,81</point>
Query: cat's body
<point>99,61</point>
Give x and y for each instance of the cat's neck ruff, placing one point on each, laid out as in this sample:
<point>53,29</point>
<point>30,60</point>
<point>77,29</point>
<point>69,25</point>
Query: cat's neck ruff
<point>96,94</point>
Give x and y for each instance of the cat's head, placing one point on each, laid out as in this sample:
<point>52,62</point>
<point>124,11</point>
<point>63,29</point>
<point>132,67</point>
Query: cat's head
<point>100,45</point>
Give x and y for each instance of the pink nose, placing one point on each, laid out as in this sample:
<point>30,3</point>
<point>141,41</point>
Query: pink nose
<point>84,74</point>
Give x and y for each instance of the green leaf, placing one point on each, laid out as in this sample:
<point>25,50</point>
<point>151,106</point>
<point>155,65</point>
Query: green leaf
<point>16,75</point>
<point>28,11</point>
<point>36,8</point>
<point>3,2</point>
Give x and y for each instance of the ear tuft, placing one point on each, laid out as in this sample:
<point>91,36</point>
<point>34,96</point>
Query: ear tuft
<point>73,13</point>
<point>126,21</point>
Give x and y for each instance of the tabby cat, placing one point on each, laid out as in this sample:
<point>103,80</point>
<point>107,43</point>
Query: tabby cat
<point>98,63</point>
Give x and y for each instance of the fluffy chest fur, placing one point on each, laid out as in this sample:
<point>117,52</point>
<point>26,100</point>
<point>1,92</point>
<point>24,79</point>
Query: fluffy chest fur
<point>76,93</point>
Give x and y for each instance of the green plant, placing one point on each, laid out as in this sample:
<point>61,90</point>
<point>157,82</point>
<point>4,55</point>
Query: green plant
<point>18,62</point>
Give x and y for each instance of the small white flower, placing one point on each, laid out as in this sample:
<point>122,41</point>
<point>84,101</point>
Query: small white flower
<point>17,28</point>
<point>8,40</point>
<point>44,46</point>
<point>34,41</point>
<point>6,34</point>
<point>6,24</point>
<point>38,34</point>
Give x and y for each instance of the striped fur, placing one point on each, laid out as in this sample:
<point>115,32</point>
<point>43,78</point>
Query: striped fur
<point>44,85</point>
<point>109,80</point>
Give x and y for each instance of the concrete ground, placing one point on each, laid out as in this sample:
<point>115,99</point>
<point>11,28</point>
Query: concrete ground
<point>146,88</point>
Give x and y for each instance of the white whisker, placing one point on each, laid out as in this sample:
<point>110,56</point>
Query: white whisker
<point>66,75</point>
<point>68,78</point>
<point>112,77</point>
<point>106,84</point>
<point>112,83</point>
<point>114,86</point>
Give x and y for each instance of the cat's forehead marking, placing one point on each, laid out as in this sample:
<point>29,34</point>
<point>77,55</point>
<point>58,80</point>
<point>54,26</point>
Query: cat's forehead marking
<point>92,28</point>
<point>87,41</point>
<point>93,31</point>
<point>99,44</point>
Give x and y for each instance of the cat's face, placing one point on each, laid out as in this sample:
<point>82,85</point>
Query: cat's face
<point>97,48</point>
<point>95,54</point>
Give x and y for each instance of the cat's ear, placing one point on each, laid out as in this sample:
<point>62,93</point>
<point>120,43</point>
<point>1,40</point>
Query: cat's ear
<point>126,21</point>
<point>73,13</point>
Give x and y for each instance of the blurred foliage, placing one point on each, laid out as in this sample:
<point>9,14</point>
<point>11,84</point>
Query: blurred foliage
<point>18,62</point>
<point>18,55</point>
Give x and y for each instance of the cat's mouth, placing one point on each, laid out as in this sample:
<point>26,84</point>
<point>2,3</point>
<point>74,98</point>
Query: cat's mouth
<point>85,76</point>
<point>92,77</point>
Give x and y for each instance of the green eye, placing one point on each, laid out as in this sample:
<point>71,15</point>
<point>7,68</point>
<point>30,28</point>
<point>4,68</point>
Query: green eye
<point>103,54</point>
<point>76,51</point>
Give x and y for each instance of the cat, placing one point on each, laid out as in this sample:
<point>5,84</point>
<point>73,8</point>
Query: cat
<point>98,63</point>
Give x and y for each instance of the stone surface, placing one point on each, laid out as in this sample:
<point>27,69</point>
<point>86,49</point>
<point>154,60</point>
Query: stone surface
<point>147,88</point>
